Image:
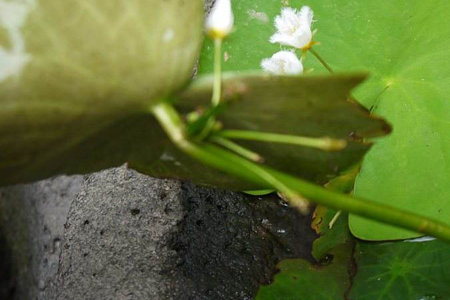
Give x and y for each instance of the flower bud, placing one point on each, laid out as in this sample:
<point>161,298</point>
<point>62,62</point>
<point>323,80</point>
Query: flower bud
<point>221,20</point>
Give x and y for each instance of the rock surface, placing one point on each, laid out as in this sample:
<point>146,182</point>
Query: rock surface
<point>128,236</point>
<point>132,237</point>
<point>118,238</point>
<point>32,218</point>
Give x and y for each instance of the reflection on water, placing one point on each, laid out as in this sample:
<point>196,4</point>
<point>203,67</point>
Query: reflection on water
<point>13,15</point>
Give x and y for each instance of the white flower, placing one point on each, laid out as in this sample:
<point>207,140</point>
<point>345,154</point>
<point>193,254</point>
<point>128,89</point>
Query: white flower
<point>221,19</point>
<point>283,63</point>
<point>294,28</point>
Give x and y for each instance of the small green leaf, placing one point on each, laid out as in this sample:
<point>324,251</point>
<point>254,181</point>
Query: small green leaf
<point>416,271</point>
<point>329,237</point>
<point>323,216</point>
<point>339,233</point>
<point>299,280</point>
<point>399,270</point>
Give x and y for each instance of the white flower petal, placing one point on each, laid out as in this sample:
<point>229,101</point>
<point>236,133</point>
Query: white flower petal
<point>306,16</point>
<point>288,21</point>
<point>302,38</point>
<point>221,19</point>
<point>299,39</point>
<point>283,63</point>
<point>294,27</point>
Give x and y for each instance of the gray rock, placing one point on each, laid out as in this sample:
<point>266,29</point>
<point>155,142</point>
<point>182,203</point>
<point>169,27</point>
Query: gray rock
<point>118,237</point>
<point>32,218</point>
<point>129,236</point>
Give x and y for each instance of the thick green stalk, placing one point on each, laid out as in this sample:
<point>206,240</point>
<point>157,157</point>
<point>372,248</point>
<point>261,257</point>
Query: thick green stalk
<point>265,177</point>
<point>324,143</point>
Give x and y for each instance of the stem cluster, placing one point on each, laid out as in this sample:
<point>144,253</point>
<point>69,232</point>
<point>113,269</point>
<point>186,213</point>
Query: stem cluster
<point>214,148</point>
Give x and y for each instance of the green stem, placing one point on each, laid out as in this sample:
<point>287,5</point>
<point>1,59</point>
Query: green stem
<point>335,218</point>
<point>321,60</point>
<point>196,127</point>
<point>265,177</point>
<point>324,143</point>
<point>250,155</point>
<point>217,89</point>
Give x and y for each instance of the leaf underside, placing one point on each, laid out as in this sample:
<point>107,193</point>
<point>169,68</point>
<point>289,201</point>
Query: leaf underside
<point>67,78</point>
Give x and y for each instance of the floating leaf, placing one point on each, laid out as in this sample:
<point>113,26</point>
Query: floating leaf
<point>399,270</point>
<point>405,45</point>
<point>416,271</point>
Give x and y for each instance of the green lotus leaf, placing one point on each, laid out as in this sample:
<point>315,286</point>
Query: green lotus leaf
<point>402,271</point>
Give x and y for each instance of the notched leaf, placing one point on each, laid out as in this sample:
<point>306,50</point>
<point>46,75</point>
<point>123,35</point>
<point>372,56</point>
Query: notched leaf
<point>313,106</point>
<point>298,279</point>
